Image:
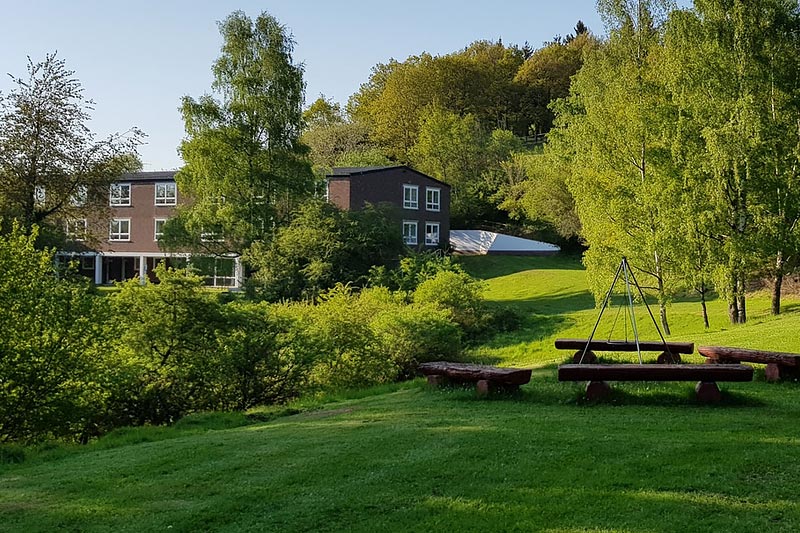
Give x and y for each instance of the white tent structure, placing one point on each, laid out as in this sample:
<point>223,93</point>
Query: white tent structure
<point>479,242</point>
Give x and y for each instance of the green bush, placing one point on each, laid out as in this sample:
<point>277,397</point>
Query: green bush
<point>167,349</point>
<point>321,247</point>
<point>267,356</point>
<point>456,292</point>
<point>413,334</point>
<point>52,345</point>
<point>412,270</point>
<point>348,353</point>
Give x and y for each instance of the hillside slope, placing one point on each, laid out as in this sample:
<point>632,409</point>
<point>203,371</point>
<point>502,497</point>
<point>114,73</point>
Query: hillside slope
<point>415,459</point>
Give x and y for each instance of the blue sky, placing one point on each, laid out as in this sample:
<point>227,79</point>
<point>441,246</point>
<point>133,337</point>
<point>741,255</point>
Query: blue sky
<point>137,59</point>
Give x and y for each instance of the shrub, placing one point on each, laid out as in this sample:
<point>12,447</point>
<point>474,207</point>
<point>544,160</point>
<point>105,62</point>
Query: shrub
<point>266,356</point>
<point>412,270</point>
<point>167,349</point>
<point>414,334</point>
<point>348,352</point>
<point>458,293</point>
<point>321,247</point>
<point>51,346</point>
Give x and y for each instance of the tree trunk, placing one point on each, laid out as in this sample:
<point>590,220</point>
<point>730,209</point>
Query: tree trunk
<point>733,306</point>
<point>662,307</point>
<point>740,295</point>
<point>662,310</point>
<point>702,292</point>
<point>778,283</point>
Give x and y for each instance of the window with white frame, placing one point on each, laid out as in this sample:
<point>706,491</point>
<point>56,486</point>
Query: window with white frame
<point>166,193</point>
<point>120,229</point>
<point>410,232</point>
<point>79,197</point>
<point>432,234</point>
<point>433,196</point>
<point>159,228</point>
<point>211,234</point>
<point>39,195</point>
<point>410,197</point>
<point>76,229</point>
<point>119,194</point>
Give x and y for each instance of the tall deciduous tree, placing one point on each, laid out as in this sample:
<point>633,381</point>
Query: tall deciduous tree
<point>52,167</point>
<point>734,80</point>
<point>612,129</point>
<point>245,165</point>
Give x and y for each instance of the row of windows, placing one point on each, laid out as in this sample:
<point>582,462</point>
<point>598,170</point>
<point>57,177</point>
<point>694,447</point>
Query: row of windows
<point>166,193</point>
<point>119,195</point>
<point>410,232</point>
<point>119,230</point>
<point>433,197</point>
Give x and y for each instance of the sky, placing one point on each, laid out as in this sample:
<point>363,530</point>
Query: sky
<point>136,59</point>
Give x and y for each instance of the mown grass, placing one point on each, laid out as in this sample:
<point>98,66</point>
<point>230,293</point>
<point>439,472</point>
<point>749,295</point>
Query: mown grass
<point>552,295</point>
<point>408,458</point>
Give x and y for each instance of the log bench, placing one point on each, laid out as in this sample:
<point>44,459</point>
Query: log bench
<point>706,376</point>
<point>666,357</point>
<point>486,378</point>
<point>780,365</point>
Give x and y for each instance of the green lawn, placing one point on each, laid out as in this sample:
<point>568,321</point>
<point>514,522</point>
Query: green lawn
<point>407,458</point>
<point>554,297</point>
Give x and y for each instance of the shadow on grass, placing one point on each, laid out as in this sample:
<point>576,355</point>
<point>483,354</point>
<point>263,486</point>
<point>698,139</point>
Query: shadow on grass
<point>657,394</point>
<point>489,266</point>
<point>545,389</point>
<point>561,303</point>
<point>534,328</point>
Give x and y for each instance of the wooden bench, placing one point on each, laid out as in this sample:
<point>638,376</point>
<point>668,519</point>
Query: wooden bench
<point>486,378</point>
<point>780,365</point>
<point>705,375</point>
<point>666,357</point>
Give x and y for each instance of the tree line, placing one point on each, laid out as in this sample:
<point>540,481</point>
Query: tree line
<point>679,145</point>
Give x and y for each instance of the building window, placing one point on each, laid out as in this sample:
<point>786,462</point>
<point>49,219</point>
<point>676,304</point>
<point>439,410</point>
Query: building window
<point>410,197</point>
<point>76,229</point>
<point>410,232</point>
<point>120,229</point>
<point>79,197</point>
<point>159,228</point>
<point>87,262</point>
<point>120,195</point>
<point>433,197</point>
<point>211,234</point>
<point>39,195</point>
<point>432,234</point>
<point>166,193</point>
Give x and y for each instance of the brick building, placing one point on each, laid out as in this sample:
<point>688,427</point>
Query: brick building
<point>423,203</point>
<point>122,243</point>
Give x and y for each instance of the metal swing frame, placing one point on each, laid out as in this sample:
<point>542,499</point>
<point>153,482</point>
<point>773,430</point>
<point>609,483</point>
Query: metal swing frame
<point>624,268</point>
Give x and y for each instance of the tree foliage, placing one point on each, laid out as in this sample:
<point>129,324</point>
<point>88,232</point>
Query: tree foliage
<point>245,165</point>
<point>323,246</point>
<point>52,346</point>
<point>52,166</point>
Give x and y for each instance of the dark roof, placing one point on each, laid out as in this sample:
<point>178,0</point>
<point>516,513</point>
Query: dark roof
<point>346,172</point>
<point>157,175</point>
<point>349,171</point>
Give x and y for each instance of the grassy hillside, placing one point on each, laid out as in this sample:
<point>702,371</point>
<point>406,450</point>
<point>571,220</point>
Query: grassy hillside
<point>553,295</point>
<point>407,458</point>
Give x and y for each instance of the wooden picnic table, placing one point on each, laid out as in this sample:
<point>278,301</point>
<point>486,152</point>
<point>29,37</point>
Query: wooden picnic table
<point>670,351</point>
<point>486,378</point>
<point>780,365</point>
<point>706,376</point>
